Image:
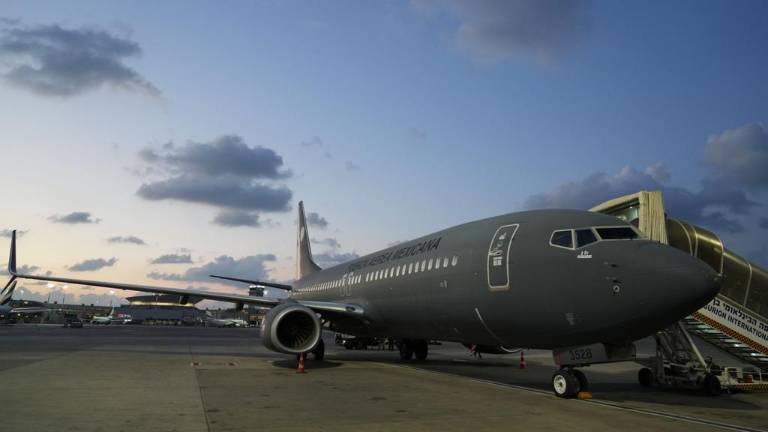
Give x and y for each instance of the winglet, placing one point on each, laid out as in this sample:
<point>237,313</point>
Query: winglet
<point>12,258</point>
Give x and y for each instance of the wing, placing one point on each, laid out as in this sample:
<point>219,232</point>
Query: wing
<point>327,309</point>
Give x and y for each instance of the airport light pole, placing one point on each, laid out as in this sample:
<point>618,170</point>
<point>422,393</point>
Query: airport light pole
<point>50,290</point>
<point>64,291</point>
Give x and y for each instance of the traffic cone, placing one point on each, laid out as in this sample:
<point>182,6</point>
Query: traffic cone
<point>300,369</point>
<point>522,360</point>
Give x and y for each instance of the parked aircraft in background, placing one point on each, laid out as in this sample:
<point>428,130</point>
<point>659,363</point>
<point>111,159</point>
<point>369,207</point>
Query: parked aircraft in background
<point>6,295</point>
<point>226,322</point>
<point>550,279</point>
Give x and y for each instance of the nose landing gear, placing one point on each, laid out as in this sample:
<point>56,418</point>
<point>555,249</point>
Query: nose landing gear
<point>569,382</point>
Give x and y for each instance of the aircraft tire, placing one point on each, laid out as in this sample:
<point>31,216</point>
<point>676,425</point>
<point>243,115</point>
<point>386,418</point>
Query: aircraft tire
<point>319,351</point>
<point>420,349</point>
<point>406,350</point>
<point>711,385</point>
<point>565,384</point>
<point>645,377</point>
<point>583,382</point>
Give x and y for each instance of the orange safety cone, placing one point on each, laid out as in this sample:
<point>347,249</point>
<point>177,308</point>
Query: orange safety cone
<point>522,360</point>
<point>300,369</point>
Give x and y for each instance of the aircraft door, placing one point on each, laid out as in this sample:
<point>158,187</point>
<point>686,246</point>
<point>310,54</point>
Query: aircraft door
<point>498,258</point>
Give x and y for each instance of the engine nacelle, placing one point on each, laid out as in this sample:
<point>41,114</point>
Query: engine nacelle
<point>291,328</point>
<point>493,349</point>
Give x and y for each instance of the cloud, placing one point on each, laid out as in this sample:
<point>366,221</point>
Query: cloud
<point>93,264</point>
<point>228,154</point>
<point>22,269</point>
<point>173,259</point>
<point>351,166</point>
<point>77,217</point>
<point>250,267</point>
<point>224,173</point>
<point>740,156</point>
<point>763,223</point>
<point>315,220</point>
<point>315,141</point>
<point>330,259</point>
<point>494,30</point>
<point>330,242</point>
<point>226,192</point>
<point>7,233</point>
<point>51,60</point>
<point>417,133</point>
<point>237,218</point>
<point>703,207</point>
<point>126,239</point>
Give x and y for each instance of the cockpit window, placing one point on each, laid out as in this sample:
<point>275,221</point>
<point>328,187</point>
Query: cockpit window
<point>562,238</point>
<point>585,237</point>
<point>617,233</point>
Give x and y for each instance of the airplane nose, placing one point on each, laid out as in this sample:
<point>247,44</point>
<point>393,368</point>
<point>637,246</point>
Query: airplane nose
<point>686,283</point>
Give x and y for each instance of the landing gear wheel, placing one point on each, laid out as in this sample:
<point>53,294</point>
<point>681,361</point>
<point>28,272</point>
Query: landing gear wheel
<point>406,350</point>
<point>319,351</point>
<point>565,384</point>
<point>582,379</point>
<point>711,385</point>
<point>645,377</point>
<point>420,349</point>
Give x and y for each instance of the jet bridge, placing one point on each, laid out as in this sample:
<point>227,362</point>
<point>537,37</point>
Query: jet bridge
<point>735,321</point>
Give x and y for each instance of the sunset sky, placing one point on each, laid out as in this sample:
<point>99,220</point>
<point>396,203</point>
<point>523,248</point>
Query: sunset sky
<point>159,142</point>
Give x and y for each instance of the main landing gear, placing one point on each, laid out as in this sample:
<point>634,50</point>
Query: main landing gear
<point>568,382</point>
<point>410,348</point>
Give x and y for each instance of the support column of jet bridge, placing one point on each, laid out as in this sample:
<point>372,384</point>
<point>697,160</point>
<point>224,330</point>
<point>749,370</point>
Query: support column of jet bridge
<point>734,321</point>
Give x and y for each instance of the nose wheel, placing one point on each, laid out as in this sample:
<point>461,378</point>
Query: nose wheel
<point>567,383</point>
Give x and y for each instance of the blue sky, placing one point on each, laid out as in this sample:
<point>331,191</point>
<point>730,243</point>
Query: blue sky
<point>390,119</point>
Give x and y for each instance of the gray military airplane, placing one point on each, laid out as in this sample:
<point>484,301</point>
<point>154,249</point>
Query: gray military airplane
<point>544,279</point>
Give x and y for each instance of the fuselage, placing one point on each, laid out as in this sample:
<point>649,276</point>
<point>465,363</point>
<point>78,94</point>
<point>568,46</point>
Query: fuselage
<point>514,280</point>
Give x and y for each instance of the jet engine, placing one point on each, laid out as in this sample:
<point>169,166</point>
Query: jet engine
<point>291,328</point>
<point>494,349</point>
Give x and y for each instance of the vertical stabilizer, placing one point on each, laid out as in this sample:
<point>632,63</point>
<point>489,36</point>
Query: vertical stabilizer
<point>12,258</point>
<point>304,264</point>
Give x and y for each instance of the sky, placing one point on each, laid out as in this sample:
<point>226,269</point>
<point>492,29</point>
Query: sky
<point>160,142</point>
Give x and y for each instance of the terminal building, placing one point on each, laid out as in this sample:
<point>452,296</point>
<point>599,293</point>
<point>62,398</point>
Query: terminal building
<point>163,309</point>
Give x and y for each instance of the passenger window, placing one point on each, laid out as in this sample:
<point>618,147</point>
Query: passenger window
<point>562,238</point>
<point>617,233</point>
<point>423,265</point>
<point>397,271</point>
<point>410,268</point>
<point>437,263</point>
<point>429,264</point>
<point>454,261</point>
<point>585,237</point>
<point>391,271</point>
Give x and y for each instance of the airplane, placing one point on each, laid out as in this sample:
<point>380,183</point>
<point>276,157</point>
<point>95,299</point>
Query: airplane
<point>546,279</point>
<point>6,295</point>
<point>105,320</point>
<point>226,322</point>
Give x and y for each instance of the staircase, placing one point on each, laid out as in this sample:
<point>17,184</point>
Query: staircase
<point>727,343</point>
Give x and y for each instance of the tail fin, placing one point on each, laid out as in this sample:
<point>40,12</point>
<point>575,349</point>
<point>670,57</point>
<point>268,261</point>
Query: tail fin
<point>12,258</point>
<point>7,293</point>
<point>305,265</point>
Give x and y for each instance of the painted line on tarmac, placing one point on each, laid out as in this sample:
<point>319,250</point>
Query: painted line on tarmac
<point>679,417</point>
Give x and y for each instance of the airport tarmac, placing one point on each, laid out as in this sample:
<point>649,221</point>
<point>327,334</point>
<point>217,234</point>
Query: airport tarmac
<point>135,378</point>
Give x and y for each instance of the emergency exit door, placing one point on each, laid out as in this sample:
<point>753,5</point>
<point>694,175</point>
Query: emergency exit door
<point>498,257</point>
